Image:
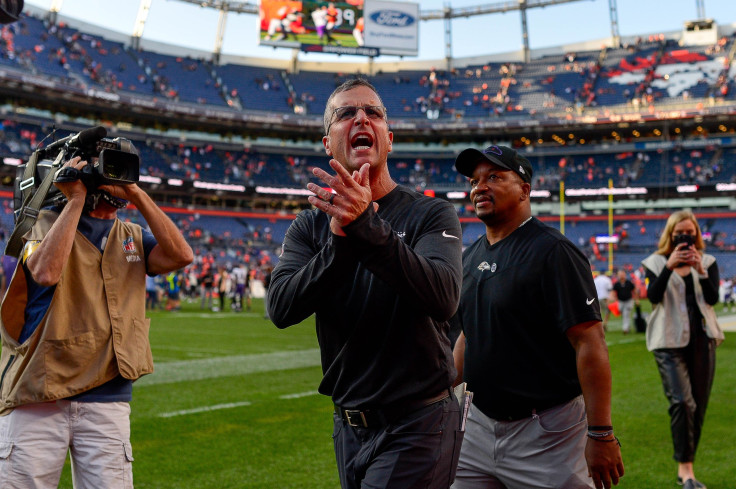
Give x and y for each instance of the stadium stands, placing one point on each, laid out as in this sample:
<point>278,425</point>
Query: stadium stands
<point>640,73</point>
<point>646,72</point>
<point>231,163</point>
<point>256,88</point>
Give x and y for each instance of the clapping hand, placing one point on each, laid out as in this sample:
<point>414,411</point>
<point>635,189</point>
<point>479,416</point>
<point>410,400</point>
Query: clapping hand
<point>351,198</point>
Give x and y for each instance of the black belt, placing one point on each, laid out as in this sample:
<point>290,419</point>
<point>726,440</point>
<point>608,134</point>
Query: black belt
<point>378,418</point>
<point>520,413</point>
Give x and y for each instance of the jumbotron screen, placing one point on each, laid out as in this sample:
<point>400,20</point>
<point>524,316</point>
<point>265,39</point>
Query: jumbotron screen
<point>355,27</point>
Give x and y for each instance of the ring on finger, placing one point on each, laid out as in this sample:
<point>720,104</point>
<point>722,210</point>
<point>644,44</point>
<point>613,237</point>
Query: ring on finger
<point>332,198</point>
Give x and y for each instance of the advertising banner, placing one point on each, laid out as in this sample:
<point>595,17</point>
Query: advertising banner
<point>392,27</point>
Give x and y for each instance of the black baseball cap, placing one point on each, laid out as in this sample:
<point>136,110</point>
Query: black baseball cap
<point>10,10</point>
<point>502,156</point>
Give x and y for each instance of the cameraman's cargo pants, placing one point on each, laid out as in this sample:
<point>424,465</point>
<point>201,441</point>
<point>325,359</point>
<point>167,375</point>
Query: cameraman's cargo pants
<point>35,438</point>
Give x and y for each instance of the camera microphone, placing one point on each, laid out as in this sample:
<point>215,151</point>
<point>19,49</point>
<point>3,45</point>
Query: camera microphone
<point>85,138</point>
<point>88,137</point>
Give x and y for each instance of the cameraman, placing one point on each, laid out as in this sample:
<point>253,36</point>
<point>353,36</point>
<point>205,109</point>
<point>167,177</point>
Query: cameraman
<point>75,335</point>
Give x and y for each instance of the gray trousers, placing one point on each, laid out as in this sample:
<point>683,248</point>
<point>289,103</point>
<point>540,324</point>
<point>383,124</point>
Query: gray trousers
<point>546,450</point>
<point>626,308</point>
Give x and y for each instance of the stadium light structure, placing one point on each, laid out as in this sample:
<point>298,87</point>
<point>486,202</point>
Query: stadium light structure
<point>140,23</point>
<point>446,13</point>
<point>237,7</point>
<point>449,13</point>
<point>221,22</point>
<point>700,7</point>
<point>615,35</point>
<point>54,10</point>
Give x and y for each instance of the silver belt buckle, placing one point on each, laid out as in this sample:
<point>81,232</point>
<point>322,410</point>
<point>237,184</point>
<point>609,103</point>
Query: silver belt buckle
<point>350,414</point>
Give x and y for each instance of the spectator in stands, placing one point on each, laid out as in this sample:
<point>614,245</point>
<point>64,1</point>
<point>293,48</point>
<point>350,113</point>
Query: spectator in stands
<point>538,371</point>
<point>75,335</point>
<point>379,265</point>
<point>626,294</point>
<point>683,332</point>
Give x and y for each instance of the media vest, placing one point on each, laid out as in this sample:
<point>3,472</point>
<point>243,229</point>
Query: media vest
<point>95,326</point>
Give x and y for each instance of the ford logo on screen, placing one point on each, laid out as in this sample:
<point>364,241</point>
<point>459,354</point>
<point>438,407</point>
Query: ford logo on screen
<point>392,18</point>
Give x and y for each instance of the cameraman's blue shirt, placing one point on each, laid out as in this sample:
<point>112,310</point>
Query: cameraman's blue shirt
<point>39,299</point>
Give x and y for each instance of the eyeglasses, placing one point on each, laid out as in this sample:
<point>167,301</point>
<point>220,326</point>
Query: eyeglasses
<point>346,112</point>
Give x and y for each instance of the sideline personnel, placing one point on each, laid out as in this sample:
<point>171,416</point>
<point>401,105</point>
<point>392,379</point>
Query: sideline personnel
<point>70,356</point>
<point>532,343</point>
<point>380,267</point>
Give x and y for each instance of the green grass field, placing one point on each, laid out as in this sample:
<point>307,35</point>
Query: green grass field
<point>311,37</point>
<point>233,404</point>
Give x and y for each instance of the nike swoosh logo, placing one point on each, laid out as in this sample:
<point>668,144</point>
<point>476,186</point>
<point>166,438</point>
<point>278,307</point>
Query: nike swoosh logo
<point>444,233</point>
<point>589,301</point>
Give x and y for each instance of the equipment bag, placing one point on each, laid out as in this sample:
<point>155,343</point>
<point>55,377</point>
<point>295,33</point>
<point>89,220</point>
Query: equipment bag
<point>33,192</point>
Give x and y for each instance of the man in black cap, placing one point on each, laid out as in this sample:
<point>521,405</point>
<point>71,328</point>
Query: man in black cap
<point>10,10</point>
<point>532,347</point>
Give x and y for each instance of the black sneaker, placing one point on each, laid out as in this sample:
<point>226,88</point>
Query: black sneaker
<point>690,483</point>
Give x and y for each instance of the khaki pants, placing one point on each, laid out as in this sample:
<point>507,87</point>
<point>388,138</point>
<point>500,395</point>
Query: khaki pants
<point>34,440</point>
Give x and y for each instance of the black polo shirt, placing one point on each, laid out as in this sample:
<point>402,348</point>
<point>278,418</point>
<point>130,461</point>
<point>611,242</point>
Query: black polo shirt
<point>624,291</point>
<point>519,297</point>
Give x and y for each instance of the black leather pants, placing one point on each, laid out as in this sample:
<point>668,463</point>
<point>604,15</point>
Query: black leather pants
<point>687,377</point>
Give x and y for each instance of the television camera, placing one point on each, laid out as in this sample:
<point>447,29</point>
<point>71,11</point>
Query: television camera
<point>109,162</point>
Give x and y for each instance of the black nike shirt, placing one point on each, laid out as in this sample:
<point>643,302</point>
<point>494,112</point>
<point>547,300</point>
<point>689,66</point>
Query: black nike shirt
<point>382,296</point>
<point>518,299</point>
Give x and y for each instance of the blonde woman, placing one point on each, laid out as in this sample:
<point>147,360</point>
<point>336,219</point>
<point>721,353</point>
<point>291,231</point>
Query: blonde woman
<point>683,332</point>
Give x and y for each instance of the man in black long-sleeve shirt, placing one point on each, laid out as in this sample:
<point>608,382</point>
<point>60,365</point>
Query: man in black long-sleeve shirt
<point>380,266</point>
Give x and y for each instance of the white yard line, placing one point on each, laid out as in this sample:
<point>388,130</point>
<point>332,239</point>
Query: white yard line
<point>187,349</point>
<point>214,315</point>
<point>727,322</point>
<point>633,338</point>
<point>229,366</point>
<point>299,395</point>
<point>204,409</point>
<point>230,405</point>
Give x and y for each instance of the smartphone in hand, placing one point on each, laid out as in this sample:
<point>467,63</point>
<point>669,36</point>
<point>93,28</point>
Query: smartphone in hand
<point>683,238</point>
